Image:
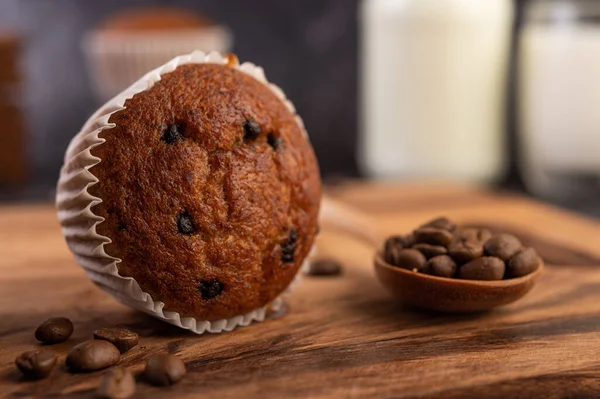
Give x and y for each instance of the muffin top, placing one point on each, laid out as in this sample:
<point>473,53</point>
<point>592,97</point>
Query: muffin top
<point>156,18</point>
<point>210,192</point>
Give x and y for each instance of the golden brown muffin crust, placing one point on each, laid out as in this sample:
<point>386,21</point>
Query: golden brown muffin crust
<point>208,215</point>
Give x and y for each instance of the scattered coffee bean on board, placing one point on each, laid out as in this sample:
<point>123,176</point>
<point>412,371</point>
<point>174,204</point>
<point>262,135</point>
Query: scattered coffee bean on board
<point>324,267</point>
<point>164,370</point>
<point>522,263</point>
<point>54,330</point>
<point>502,246</point>
<point>36,364</point>
<point>92,355</point>
<point>117,383</point>
<point>484,268</point>
<point>122,338</point>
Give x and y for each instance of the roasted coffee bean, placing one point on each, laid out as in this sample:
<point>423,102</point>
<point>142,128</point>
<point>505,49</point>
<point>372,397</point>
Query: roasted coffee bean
<point>185,224</point>
<point>410,259</point>
<point>116,383</point>
<point>502,246</point>
<point>210,289</point>
<point>473,234</point>
<point>465,251</point>
<point>430,250</point>
<point>92,355</point>
<point>393,245</point>
<point>273,141</point>
<point>36,364</point>
<point>484,268</point>
<point>522,263</point>
<point>288,247</point>
<point>251,130</point>
<point>433,236</point>
<point>468,244</point>
<point>441,223</point>
<point>441,266</point>
<point>122,338</point>
<point>324,267</point>
<point>54,330</point>
<point>164,370</point>
<point>173,133</point>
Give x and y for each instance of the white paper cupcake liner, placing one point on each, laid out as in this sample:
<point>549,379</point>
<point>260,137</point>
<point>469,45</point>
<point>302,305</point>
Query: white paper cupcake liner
<point>117,59</point>
<point>79,222</point>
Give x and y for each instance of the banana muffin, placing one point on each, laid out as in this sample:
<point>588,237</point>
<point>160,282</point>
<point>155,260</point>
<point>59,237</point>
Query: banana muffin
<point>210,191</point>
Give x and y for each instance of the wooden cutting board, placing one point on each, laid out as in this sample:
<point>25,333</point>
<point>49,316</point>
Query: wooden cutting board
<point>341,337</point>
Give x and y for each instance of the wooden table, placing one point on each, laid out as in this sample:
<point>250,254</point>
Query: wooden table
<point>341,337</point>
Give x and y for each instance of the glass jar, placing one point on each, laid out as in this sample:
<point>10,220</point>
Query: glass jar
<point>559,99</point>
<point>433,80</point>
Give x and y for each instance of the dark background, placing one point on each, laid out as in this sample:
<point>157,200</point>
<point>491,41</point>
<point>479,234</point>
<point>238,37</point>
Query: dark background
<point>307,47</point>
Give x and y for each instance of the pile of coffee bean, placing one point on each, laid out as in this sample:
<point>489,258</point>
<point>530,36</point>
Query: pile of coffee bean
<point>95,354</point>
<point>440,248</point>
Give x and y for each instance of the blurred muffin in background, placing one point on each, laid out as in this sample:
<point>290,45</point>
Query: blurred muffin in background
<point>132,42</point>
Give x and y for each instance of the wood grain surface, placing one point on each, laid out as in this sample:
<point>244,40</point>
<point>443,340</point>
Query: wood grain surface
<point>340,337</point>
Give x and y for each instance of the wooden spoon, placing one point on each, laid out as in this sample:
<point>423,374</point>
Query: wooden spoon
<point>448,294</point>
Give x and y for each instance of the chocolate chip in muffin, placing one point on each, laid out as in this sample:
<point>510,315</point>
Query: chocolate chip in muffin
<point>185,224</point>
<point>274,141</point>
<point>251,130</point>
<point>210,289</point>
<point>173,133</point>
<point>288,247</point>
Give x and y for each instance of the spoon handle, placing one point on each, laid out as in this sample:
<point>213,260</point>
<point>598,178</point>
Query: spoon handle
<point>341,217</point>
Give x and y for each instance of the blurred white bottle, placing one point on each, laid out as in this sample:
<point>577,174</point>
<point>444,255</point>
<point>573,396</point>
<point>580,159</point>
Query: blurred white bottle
<point>433,85</point>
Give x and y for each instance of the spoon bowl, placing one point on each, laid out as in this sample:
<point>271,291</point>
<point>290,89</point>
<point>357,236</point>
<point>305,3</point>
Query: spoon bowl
<point>449,294</point>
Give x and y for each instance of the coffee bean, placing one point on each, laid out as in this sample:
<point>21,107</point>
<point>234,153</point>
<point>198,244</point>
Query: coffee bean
<point>92,355</point>
<point>185,224</point>
<point>116,383</point>
<point>325,267</point>
<point>210,289</point>
<point>441,223</point>
<point>251,130</point>
<point>484,268</point>
<point>502,246</point>
<point>441,266</point>
<point>468,244</point>
<point>122,338</point>
<point>410,259</point>
<point>463,252</point>
<point>273,141</point>
<point>164,370</point>
<point>473,234</point>
<point>433,236</point>
<point>36,364</point>
<point>288,246</point>
<point>430,250</point>
<point>522,263</point>
<point>173,133</point>
<point>392,246</point>
<point>54,330</point>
